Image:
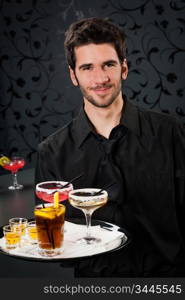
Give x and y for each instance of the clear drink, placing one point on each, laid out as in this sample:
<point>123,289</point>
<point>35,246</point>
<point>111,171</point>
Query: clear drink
<point>88,200</point>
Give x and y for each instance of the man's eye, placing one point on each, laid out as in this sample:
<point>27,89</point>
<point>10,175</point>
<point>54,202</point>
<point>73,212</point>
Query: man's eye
<point>109,65</point>
<point>86,68</point>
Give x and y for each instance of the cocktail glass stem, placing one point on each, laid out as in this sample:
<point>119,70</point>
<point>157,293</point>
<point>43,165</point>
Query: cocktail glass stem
<point>89,239</point>
<point>15,185</point>
<point>88,224</point>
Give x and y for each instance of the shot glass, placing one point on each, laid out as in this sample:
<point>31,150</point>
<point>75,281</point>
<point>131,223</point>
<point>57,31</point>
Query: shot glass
<point>50,228</point>
<point>12,237</point>
<point>32,232</point>
<point>19,224</point>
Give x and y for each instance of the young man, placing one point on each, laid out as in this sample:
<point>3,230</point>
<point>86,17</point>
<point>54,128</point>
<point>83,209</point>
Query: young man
<point>111,140</point>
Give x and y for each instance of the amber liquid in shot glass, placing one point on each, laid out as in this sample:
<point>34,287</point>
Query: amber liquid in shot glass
<point>12,237</point>
<point>32,232</point>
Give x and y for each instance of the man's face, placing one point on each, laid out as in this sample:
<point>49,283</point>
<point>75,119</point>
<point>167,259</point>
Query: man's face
<point>99,73</point>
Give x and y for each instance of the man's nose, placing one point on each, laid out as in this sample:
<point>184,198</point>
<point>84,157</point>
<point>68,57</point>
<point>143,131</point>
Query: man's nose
<point>100,76</point>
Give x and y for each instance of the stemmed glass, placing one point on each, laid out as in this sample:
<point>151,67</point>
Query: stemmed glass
<point>88,200</point>
<point>46,190</point>
<point>13,165</point>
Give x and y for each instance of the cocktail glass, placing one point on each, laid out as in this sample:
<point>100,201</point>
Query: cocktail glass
<point>46,190</point>
<point>87,200</point>
<point>13,165</point>
<point>50,228</point>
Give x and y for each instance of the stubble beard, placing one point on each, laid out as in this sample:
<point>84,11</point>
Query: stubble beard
<point>108,102</point>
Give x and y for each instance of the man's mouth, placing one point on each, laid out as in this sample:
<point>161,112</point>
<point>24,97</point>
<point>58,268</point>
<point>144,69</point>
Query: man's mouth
<point>101,89</point>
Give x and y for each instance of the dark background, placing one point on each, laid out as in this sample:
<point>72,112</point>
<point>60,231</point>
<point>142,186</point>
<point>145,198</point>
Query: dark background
<point>36,95</point>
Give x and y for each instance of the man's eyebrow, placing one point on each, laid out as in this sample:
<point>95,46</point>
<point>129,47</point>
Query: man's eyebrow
<point>110,61</point>
<point>84,66</point>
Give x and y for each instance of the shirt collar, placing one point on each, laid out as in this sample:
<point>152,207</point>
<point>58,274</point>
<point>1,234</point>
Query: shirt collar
<point>83,127</point>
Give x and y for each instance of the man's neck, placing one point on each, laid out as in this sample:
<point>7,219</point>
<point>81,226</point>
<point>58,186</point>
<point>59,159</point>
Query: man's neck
<point>104,119</point>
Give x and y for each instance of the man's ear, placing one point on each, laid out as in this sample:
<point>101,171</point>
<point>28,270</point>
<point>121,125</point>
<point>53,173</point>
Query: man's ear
<point>73,76</point>
<point>124,69</point>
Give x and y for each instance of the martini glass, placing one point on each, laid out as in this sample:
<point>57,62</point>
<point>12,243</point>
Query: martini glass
<point>46,190</point>
<point>88,200</point>
<point>13,165</point>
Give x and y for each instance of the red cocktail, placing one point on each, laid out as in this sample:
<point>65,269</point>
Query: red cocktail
<point>46,190</point>
<point>13,165</point>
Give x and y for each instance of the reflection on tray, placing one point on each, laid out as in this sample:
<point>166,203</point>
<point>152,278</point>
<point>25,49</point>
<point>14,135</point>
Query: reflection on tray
<point>111,238</point>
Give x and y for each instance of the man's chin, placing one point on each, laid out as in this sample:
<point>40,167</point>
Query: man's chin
<point>100,104</point>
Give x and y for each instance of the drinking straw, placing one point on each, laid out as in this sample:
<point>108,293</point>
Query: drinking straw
<point>70,181</point>
<point>105,187</point>
<point>73,179</point>
<point>50,239</point>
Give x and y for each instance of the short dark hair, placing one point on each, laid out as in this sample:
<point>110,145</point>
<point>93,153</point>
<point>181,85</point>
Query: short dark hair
<point>93,30</point>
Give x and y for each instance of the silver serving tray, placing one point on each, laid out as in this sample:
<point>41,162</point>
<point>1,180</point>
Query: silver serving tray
<point>31,254</point>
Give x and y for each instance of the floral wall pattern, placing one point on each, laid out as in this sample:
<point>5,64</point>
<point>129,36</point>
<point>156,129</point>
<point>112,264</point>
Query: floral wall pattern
<point>36,95</point>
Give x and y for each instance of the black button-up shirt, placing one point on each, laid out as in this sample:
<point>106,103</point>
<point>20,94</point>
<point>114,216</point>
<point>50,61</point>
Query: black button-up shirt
<point>145,156</point>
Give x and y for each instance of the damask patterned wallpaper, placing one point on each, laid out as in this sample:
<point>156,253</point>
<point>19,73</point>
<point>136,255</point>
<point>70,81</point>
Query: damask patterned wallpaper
<point>36,95</point>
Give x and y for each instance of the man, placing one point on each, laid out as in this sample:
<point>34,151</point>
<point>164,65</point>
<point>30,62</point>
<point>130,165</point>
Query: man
<point>111,140</point>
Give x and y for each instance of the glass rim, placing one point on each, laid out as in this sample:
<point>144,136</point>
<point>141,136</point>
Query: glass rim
<point>48,204</point>
<point>8,227</point>
<point>17,220</point>
<point>31,223</point>
<point>51,191</point>
<point>12,158</point>
<point>88,190</point>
